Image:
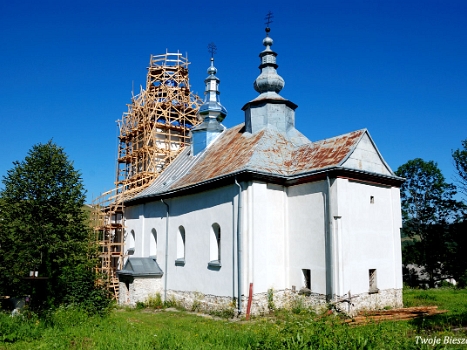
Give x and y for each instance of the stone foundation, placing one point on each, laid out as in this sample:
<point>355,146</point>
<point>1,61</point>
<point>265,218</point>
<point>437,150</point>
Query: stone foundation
<point>195,301</point>
<point>140,289</point>
<point>263,303</point>
<point>388,298</point>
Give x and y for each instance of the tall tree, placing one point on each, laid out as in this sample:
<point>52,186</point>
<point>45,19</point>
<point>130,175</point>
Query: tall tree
<point>42,224</point>
<point>460,161</point>
<point>429,210</point>
<point>459,246</point>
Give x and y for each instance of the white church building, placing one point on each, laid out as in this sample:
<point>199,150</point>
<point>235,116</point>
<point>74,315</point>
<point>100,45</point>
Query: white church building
<point>259,205</point>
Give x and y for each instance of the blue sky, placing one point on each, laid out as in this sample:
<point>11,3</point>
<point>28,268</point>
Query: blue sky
<point>397,68</point>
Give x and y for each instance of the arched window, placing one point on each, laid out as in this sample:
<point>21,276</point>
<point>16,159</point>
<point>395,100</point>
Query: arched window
<point>153,243</point>
<point>215,245</point>
<point>130,243</point>
<point>180,247</point>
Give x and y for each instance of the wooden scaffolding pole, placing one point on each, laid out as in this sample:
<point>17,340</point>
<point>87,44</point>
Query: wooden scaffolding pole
<point>153,131</point>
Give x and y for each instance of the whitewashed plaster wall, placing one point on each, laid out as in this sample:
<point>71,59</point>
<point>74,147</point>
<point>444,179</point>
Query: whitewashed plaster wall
<point>196,213</point>
<point>365,235</point>
<point>283,233</point>
<point>306,250</point>
<point>134,229</point>
<point>264,238</point>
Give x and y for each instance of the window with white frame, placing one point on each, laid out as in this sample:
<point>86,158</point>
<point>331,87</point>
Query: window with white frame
<point>180,246</point>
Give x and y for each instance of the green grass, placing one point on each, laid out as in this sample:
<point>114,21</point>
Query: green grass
<point>151,328</point>
<point>451,299</point>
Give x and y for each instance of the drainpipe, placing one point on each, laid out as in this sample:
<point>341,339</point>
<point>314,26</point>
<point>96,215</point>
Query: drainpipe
<point>329,245</point>
<point>166,248</point>
<point>239,248</point>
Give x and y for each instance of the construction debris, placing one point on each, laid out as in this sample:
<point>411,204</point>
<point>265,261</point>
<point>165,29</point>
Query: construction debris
<point>407,313</point>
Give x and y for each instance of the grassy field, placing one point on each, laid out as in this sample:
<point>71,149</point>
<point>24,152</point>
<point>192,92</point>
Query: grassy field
<point>69,328</point>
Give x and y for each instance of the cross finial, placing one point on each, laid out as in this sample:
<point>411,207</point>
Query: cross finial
<point>268,19</point>
<point>212,48</point>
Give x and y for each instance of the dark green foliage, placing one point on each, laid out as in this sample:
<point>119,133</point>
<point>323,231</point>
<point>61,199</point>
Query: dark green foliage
<point>80,289</point>
<point>429,213</point>
<point>456,262</point>
<point>426,196</point>
<point>43,227</point>
<point>460,161</point>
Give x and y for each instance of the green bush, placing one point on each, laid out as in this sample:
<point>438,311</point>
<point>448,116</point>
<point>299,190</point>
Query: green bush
<point>79,287</point>
<point>25,326</point>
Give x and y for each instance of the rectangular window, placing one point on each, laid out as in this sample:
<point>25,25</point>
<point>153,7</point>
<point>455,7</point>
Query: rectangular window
<point>373,282</point>
<point>306,278</point>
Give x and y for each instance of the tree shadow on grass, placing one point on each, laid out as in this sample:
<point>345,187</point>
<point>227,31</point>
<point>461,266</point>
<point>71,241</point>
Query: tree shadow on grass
<point>441,322</point>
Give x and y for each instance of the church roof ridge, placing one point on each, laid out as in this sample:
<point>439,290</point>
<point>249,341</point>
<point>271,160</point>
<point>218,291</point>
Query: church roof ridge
<point>341,135</point>
<point>268,152</point>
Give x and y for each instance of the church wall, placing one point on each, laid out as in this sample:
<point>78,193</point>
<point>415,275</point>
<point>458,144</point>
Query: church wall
<point>264,237</point>
<point>195,214</point>
<point>283,234</point>
<point>133,231</point>
<point>366,224</point>
<point>397,219</point>
<point>306,228</point>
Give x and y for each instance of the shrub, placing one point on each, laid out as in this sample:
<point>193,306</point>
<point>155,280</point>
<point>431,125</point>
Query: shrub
<point>155,301</point>
<point>25,326</point>
<point>271,305</point>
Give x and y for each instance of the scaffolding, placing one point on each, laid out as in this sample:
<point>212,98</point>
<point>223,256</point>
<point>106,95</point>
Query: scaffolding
<point>153,131</point>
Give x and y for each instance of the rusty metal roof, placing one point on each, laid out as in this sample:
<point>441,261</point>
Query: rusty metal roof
<point>325,153</point>
<point>267,152</point>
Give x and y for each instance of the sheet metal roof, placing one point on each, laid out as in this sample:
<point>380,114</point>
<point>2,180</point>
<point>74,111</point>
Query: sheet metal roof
<point>136,266</point>
<point>268,152</point>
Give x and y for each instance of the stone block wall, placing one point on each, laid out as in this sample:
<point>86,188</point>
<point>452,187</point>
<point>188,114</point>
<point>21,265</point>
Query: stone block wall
<point>138,289</point>
<point>195,301</point>
<point>389,298</point>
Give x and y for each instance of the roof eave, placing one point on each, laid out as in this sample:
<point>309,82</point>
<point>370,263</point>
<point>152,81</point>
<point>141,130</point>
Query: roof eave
<point>137,274</point>
<point>286,180</point>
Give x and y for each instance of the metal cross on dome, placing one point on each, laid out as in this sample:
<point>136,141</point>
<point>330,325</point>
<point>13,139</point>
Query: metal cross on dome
<point>212,48</point>
<point>269,18</point>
